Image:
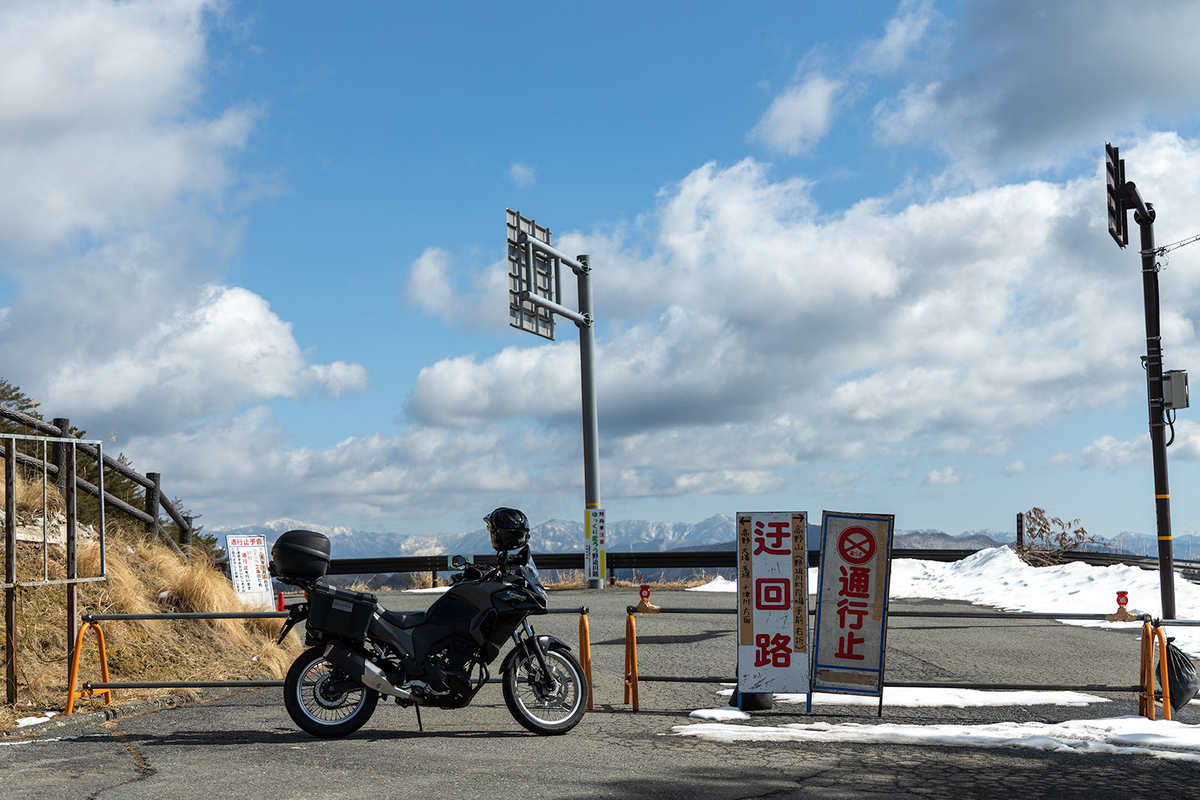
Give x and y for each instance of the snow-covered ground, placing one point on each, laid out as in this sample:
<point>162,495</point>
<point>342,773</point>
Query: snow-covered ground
<point>999,579</point>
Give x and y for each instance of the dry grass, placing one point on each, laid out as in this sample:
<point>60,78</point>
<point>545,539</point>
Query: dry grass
<point>419,580</point>
<point>29,494</point>
<point>143,577</point>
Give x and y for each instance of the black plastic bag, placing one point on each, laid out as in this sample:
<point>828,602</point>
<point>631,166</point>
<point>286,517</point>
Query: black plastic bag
<point>1181,676</point>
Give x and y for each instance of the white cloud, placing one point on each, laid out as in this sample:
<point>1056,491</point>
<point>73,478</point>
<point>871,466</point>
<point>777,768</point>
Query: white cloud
<point>226,349</point>
<point>523,176</point>
<point>903,33</point>
<point>799,116</point>
<point>113,205</point>
<point>1108,451</point>
<point>946,326</point>
<point>1028,85</point>
<point>432,286</point>
<point>429,283</point>
<point>97,133</point>
<point>945,476</point>
<point>459,391</point>
<point>243,467</point>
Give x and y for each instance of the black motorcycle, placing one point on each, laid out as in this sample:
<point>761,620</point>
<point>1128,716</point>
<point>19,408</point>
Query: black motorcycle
<point>438,657</point>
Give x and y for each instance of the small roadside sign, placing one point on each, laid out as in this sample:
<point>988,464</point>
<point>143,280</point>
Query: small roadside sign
<point>248,570</point>
<point>595,546</point>
<point>772,651</point>
<point>852,603</point>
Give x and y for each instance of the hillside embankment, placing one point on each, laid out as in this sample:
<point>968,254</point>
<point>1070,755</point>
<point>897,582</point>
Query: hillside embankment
<point>144,576</point>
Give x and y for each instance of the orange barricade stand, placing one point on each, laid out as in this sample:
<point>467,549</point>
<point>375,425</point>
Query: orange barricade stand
<point>585,652</point>
<point>1146,700</point>
<point>631,668</point>
<point>73,676</point>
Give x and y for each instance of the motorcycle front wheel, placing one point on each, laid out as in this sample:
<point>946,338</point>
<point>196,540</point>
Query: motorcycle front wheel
<point>322,700</point>
<point>535,703</point>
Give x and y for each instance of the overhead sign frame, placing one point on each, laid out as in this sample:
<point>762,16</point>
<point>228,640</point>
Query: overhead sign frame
<point>532,271</point>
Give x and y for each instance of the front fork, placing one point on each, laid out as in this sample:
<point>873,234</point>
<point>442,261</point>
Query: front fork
<point>530,642</point>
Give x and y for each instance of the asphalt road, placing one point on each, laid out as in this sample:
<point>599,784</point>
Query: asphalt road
<point>245,745</point>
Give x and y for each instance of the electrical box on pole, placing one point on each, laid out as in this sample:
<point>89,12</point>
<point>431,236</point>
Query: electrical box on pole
<point>535,297</point>
<point>1175,389</point>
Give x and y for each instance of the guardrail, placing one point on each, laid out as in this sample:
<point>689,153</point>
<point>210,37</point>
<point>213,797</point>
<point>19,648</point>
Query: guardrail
<point>696,559</point>
<point>615,560</point>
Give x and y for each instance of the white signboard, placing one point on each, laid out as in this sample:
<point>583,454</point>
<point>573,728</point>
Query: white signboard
<point>594,545</point>
<point>772,602</point>
<point>248,569</point>
<point>852,603</point>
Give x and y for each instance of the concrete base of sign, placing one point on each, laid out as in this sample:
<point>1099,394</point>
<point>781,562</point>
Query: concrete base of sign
<point>753,701</point>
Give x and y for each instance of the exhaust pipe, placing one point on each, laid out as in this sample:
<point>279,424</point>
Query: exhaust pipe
<point>363,671</point>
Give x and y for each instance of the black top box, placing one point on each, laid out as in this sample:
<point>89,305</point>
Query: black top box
<point>301,554</point>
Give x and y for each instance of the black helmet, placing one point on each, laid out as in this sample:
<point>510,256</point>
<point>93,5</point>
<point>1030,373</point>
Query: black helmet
<point>509,528</point>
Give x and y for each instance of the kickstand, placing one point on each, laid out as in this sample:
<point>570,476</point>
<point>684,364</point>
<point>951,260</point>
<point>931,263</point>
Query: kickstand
<point>420,727</point>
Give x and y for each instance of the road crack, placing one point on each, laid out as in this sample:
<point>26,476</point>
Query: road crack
<point>144,770</point>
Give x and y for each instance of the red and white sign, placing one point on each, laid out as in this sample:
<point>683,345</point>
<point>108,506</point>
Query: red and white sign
<point>248,570</point>
<point>772,602</point>
<point>852,602</point>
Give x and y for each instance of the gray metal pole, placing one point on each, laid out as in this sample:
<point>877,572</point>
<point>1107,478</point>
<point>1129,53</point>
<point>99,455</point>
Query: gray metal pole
<point>10,569</point>
<point>1154,392</point>
<point>587,381</point>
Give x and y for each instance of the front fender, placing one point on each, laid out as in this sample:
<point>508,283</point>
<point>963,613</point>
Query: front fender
<point>546,641</point>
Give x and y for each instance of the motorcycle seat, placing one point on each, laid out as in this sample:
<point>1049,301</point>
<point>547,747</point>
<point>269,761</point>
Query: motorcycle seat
<point>404,619</point>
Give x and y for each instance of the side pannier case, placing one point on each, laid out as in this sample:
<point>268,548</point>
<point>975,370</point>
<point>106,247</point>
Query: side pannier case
<point>340,611</point>
<point>301,554</point>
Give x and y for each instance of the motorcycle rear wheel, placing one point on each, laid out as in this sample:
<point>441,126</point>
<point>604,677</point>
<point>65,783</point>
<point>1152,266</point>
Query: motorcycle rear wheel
<point>538,709</point>
<point>318,705</point>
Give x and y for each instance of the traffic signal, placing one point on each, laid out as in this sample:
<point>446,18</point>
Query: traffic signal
<point>1114,168</point>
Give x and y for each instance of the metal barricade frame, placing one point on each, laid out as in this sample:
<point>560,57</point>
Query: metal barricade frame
<point>105,687</point>
<point>1145,689</point>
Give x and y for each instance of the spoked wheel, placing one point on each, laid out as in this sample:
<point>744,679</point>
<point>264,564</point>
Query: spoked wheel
<point>323,700</point>
<point>541,705</point>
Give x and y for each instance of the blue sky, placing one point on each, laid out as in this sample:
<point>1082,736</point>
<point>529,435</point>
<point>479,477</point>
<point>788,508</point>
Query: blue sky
<point>848,259</point>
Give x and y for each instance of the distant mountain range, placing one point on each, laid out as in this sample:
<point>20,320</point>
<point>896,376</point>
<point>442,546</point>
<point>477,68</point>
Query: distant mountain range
<point>555,536</point>
<point>714,533</point>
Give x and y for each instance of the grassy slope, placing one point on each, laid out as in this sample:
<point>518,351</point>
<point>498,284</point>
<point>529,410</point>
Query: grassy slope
<point>143,577</point>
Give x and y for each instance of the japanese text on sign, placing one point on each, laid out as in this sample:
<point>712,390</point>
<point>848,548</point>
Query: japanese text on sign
<point>772,602</point>
<point>852,602</point>
<point>248,569</point>
<point>594,545</point>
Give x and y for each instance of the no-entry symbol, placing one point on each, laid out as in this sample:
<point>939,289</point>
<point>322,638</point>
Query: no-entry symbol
<point>856,545</point>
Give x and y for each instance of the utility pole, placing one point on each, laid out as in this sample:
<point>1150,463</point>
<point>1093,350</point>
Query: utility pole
<point>1123,195</point>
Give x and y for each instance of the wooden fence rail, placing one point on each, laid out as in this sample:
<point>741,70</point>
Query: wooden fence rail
<point>151,482</point>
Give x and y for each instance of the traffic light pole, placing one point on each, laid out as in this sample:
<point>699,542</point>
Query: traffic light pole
<point>1144,217</point>
<point>1123,195</point>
